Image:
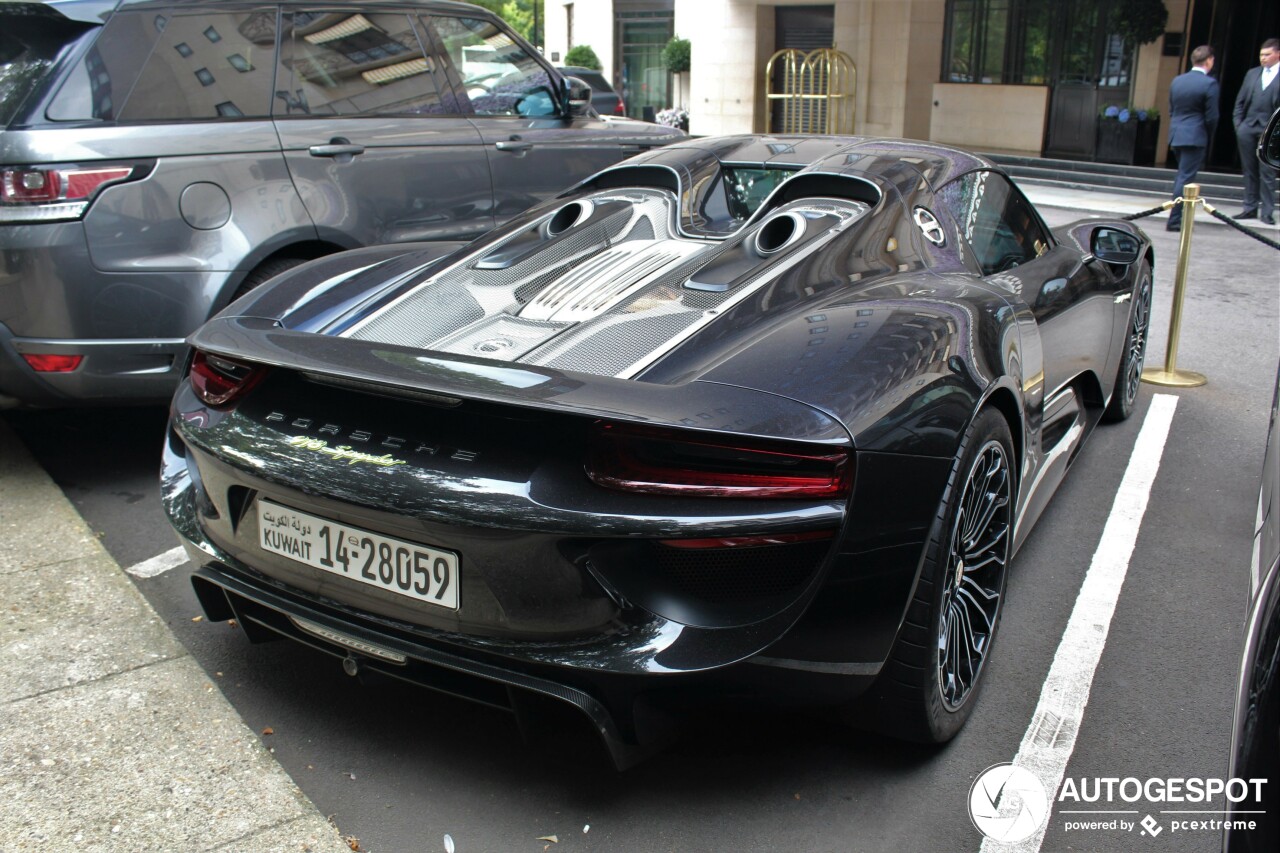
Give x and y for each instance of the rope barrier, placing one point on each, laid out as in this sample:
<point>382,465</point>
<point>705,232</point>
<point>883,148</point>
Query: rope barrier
<point>1222,217</point>
<point>1212,211</point>
<point>1152,212</point>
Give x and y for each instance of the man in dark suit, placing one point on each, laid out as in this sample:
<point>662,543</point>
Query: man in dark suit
<point>1193,117</point>
<point>1259,97</point>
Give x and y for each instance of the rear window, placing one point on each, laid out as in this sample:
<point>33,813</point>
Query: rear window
<point>592,79</point>
<point>31,39</point>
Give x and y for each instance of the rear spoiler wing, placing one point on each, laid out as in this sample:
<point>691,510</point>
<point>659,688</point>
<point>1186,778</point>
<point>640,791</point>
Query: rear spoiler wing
<point>445,379</point>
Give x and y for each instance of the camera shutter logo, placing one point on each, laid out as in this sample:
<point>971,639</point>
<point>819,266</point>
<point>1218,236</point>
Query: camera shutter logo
<point>1008,803</point>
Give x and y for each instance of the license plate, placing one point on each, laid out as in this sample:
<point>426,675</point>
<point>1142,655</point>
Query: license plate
<point>429,575</point>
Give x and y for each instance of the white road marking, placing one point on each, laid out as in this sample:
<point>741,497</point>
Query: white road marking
<point>159,564</point>
<point>1050,739</point>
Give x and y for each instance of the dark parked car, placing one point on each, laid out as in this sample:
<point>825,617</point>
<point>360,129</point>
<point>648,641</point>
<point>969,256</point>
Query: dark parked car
<point>1255,738</point>
<point>751,417</point>
<point>159,158</point>
<point>604,99</point>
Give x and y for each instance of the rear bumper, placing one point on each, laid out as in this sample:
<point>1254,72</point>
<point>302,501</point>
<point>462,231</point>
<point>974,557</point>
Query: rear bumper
<point>628,682</point>
<point>630,730</point>
<point>113,371</point>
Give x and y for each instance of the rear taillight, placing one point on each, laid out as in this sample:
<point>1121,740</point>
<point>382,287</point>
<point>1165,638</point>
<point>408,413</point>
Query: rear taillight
<point>620,109</point>
<point>220,381</point>
<point>661,461</point>
<point>56,193</point>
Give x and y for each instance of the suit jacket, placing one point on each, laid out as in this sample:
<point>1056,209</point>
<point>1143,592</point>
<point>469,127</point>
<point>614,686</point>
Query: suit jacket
<point>1193,109</point>
<point>1254,105</point>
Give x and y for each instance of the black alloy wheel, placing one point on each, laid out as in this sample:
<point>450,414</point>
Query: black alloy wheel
<point>927,688</point>
<point>1129,376</point>
<point>974,576</point>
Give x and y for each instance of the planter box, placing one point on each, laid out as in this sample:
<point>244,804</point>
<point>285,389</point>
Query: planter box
<point>1130,143</point>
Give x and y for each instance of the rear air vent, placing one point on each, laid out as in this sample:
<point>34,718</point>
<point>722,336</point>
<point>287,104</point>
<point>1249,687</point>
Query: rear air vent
<point>778,233</point>
<point>568,216</point>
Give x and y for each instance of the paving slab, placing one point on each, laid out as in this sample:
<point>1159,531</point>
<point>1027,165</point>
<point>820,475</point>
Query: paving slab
<point>70,622</point>
<point>111,736</point>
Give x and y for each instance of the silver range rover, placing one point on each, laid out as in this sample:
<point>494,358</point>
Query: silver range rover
<point>158,159</point>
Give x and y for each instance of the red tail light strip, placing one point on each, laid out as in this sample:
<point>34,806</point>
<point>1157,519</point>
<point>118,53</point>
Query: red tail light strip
<point>663,461</point>
<point>219,381</point>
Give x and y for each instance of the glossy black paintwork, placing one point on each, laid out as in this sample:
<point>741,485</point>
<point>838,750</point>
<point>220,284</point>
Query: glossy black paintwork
<point>884,342</point>
<point>1255,737</point>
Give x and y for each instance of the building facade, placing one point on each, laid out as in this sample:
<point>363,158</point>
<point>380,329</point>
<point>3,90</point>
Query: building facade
<point>1023,76</point>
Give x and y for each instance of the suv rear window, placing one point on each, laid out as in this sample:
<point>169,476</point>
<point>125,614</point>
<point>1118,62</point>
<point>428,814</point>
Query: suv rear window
<point>31,37</point>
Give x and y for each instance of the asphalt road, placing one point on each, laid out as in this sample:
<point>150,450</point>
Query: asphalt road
<point>399,768</point>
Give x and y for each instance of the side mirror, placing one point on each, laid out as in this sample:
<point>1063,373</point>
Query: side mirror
<point>577,94</point>
<point>1269,144</point>
<point>1113,246</point>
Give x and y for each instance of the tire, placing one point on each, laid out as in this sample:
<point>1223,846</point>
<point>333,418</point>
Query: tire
<point>928,686</point>
<point>1129,374</point>
<point>268,269</point>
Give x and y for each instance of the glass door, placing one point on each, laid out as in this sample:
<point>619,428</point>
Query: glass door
<point>1088,70</point>
<point>645,83</point>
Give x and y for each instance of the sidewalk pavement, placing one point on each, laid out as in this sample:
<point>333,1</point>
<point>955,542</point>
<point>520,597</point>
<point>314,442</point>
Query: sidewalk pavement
<point>112,736</point>
<point>1121,204</point>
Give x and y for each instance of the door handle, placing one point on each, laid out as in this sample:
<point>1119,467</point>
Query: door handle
<point>338,149</point>
<point>513,146</point>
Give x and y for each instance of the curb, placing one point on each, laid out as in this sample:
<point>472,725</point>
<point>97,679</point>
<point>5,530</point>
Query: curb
<point>114,738</point>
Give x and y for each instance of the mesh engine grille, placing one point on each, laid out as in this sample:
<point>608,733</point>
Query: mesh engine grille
<point>416,323</point>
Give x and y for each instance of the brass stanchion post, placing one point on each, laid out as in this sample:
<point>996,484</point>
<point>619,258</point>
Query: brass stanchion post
<point>1171,375</point>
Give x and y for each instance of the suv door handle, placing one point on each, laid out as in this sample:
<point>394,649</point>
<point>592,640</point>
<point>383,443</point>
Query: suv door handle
<point>338,148</point>
<point>514,146</point>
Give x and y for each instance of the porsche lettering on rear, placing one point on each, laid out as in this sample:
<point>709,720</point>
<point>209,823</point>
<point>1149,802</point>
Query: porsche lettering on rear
<point>364,437</point>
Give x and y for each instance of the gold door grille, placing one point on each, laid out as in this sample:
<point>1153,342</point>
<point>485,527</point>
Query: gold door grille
<point>816,91</point>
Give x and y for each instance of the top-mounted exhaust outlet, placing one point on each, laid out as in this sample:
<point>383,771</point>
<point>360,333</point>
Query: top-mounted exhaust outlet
<point>778,233</point>
<point>568,216</point>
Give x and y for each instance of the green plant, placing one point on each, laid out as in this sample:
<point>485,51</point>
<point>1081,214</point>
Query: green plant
<point>675,56</point>
<point>582,56</point>
<point>1140,21</point>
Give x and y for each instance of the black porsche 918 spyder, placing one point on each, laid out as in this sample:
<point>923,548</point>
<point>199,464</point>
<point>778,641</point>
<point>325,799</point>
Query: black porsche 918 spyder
<point>757,417</point>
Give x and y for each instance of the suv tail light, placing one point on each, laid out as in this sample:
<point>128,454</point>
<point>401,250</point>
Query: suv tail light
<point>58,193</point>
<point>621,108</point>
<point>662,461</point>
<point>220,381</point>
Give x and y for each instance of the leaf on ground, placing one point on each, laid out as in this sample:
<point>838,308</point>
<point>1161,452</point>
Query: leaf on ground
<point>197,618</point>
<point>553,839</point>
<point>352,842</point>
<point>270,731</point>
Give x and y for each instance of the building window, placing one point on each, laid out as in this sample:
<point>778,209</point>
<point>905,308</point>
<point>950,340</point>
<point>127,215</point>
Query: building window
<point>1033,42</point>
<point>184,50</point>
<point>205,77</point>
<point>212,35</point>
<point>239,63</point>
<point>997,41</point>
